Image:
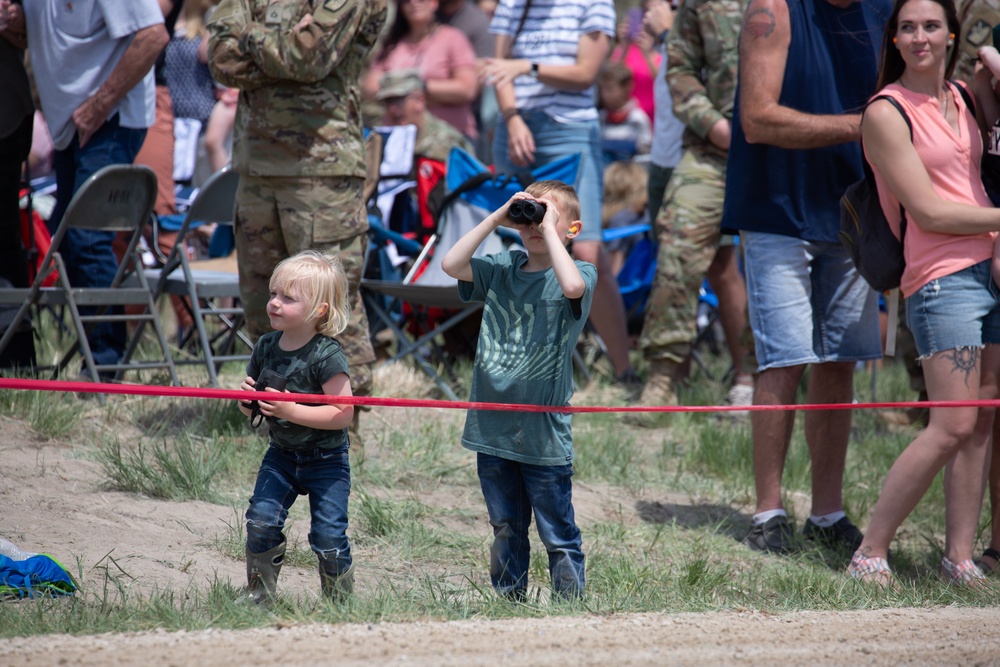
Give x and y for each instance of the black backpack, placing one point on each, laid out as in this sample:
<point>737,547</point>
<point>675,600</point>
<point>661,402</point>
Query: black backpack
<point>864,230</point>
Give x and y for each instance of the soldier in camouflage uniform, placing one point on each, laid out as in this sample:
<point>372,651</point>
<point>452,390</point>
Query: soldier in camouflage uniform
<point>297,143</point>
<point>978,18</point>
<point>402,93</point>
<point>701,71</point>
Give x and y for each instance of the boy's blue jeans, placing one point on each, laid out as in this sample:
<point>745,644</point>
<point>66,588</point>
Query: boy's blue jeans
<point>322,474</point>
<point>512,491</point>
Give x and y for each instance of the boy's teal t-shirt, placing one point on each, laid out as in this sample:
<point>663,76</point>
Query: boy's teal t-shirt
<point>524,356</point>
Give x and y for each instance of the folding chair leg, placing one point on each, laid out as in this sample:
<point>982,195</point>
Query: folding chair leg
<point>83,346</point>
<point>206,344</point>
<point>407,348</point>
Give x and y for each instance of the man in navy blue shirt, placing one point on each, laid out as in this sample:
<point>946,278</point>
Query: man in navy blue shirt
<point>806,70</point>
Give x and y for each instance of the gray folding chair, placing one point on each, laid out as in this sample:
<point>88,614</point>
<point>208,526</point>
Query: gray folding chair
<point>117,198</point>
<point>217,336</point>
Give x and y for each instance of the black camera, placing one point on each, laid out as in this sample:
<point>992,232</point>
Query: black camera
<point>267,378</point>
<point>526,211</point>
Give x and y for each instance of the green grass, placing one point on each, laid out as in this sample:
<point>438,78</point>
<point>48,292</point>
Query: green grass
<point>50,415</point>
<point>418,524</point>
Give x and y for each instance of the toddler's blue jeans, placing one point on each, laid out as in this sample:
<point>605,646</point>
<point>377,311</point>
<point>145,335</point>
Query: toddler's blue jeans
<point>322,474</point>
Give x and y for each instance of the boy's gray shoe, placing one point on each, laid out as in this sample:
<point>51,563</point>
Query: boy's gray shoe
<point>775,535</point>
<point>842,536</point>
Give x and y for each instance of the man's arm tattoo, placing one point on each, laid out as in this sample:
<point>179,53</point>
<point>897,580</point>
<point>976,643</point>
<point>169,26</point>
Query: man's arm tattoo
<point>759,23</point>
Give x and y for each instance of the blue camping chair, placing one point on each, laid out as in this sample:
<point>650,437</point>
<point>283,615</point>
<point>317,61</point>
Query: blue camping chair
<point>635,282</point>
<point>473,181</point>
<point>635,279</point>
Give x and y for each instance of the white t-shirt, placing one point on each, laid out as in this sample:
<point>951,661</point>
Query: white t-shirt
<point>551,36</point>
<point>74,48</point>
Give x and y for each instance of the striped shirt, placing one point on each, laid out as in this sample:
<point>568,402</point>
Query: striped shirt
<point>551,36</point>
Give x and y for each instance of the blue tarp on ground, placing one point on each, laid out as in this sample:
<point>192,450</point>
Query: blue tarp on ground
<point>37,575</point>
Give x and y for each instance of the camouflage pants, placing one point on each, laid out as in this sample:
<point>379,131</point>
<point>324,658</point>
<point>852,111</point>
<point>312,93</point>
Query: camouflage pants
<point>278,217</point>
<point>688,236</point>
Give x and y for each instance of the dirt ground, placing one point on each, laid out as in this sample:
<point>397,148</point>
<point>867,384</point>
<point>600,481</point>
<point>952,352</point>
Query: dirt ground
<point>50,500</point>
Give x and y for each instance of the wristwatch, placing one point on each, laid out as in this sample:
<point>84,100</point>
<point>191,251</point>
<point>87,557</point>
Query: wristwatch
<point>533,73</point>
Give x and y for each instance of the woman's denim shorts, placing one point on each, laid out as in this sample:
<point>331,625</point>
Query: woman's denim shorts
<point>955,311</point>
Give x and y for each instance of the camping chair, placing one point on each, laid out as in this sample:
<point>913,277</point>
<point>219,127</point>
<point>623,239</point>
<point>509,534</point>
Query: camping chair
<point>394,248</point>
<point>204,284</point>
<point>396,231</point>
<point>431,288</point>
<point>635,282</point>
<point>394,200</point>
<point>118,198</point>
<point>473,193</point>
<point>635,279</point>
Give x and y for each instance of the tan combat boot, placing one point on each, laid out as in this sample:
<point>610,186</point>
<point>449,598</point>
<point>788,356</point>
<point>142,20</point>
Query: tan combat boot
<point>659,390</point>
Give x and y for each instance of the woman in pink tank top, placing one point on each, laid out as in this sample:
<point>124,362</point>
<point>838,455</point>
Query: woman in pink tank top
<point>951,299</point>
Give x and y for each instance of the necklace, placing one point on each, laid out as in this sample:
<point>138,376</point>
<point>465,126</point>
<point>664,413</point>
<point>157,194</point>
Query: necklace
<point>942,101</point>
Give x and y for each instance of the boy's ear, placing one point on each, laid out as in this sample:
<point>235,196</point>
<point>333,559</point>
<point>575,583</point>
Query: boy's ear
<point>575,228</point>
<point>322,309</point>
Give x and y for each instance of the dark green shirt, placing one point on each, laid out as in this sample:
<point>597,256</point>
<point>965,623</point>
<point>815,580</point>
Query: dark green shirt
<point>305,370</point>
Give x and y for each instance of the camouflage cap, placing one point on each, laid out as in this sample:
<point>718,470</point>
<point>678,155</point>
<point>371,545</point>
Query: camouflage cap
<point>399,83</point>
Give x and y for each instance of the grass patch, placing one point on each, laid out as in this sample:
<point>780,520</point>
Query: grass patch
<point>667,508</point>
<point>51,415</point>
<point>184,469</point>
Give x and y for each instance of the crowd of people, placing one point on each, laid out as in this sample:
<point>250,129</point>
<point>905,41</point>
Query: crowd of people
<point>733,127</point>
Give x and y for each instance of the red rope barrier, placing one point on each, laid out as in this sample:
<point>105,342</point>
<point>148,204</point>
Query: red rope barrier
<point>237,394</point>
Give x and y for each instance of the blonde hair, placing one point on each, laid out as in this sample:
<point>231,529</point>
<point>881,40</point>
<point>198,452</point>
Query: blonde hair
<point>195,14</point>
<point>624,188</point>
<point>563,192</point>
<point>318,278</point>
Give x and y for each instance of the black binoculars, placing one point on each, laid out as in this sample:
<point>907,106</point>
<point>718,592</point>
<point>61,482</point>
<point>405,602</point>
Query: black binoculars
<point>526,211</point>
<point>268,378</point>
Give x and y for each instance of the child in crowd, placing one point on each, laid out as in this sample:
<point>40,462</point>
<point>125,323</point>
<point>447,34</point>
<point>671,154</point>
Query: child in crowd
<point>309,441</point>
<point>536,304</point>
<point>625,199</point>
<point>625,128</point>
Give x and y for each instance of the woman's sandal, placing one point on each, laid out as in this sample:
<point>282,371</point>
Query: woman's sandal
<point>963,573</point>
<point>871,570</point>
<point>985,567</point>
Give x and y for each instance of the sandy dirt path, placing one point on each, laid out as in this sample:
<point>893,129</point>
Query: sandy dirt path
<point>945,636</point>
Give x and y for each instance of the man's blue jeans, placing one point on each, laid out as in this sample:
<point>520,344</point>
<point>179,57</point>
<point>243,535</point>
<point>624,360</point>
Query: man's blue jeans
<point>512,491</point>
<point>89,256</point>
<point>322,474</point>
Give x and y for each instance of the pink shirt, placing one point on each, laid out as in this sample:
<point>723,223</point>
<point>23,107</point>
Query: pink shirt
<point>952,162</point>
<point>445,50</point>
<point>642,76</point>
